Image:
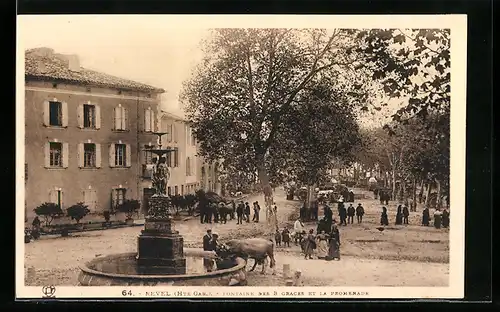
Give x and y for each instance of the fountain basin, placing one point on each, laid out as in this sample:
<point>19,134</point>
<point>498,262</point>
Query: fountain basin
<point>121,270</point>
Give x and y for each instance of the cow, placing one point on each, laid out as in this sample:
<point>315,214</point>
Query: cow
<point>256,248</point>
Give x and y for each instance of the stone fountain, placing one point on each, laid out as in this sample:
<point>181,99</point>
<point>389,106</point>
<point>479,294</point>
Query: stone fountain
<point>161,258</point>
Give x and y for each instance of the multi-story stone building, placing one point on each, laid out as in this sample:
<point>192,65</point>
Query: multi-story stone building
<point>85,134</point>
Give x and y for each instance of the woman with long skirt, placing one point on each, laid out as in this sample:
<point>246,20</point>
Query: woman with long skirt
<point>322,243</point>
<point>334,244</point>
<point>399,216</point>
<point>384,220</point>
<point>309,245</point>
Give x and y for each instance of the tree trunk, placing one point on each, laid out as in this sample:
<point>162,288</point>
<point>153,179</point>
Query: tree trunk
<point>272,221</point>
<point>428,195</point>
<point>421,193</point>
<point>414,193</point>
<point>438,197</point>
<point>393,177</point>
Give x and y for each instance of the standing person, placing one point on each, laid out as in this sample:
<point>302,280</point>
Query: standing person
<point>314,212</point>
<point>425,217</point>
<point>302,211</point>
<point>350,214</point>
<point>247,212</point>
<point>437,218</point>
<point>446,218</point>
<point>35,228</point>
<point>309,245</point>
<point>334,244</point>
<point>322,243</point>
<point>233,206</point>
<point>399,216</point>
<point>223,210</point>
<point>406,214</point>
<point>298,227</point>
<point>239,212</point>
<point>360,211</point>
<point>216,213</point>
<point>384,219</point>
<point>343,215</point>
<point>285,237</point>
<point>256,212</point>
<point>208,246</point>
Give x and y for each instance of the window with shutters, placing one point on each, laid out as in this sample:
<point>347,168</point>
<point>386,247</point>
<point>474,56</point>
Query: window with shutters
<point>89,153</point>
<point>120,118</point>
<point>90,199</point>
<point>55,114</point>
<point>56,197</point>
<point>118,197</point>
<point>176,190</point>
<point>55,154</point>
<point>89,116</point>
<point>120,155</point>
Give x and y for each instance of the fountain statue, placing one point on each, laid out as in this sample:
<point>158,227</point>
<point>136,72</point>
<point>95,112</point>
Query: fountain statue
<point>160,247</point>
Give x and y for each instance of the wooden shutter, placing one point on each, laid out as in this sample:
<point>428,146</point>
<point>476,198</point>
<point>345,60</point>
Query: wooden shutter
<point>80,155</point>
<point>62,200</point>
<point>47,154</point>
<point>97,117</point>
<point>98,155</point>
<point>65,155</point>
<point>46,113</point>
<point>147,120</point>
<point>64,111</point>
<point>117,112</point>
<point>112,153</point>
<point>125,119</point>
<point>153,121</point>
<point>128,155</point>
<point>94,200</point>
<point>79,115</point>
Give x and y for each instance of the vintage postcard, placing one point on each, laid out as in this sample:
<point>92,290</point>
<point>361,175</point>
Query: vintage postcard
<point>240,156</point>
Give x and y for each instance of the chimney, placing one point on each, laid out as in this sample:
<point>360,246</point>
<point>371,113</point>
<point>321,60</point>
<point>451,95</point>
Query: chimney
<point>43,52</point>
<point>74,62</point>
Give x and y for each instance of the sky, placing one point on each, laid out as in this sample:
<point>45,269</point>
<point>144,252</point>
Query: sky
<point>151,51</point>
<point>148,49</point>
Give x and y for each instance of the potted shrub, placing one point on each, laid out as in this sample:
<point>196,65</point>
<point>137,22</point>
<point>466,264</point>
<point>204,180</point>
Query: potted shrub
<point>77,212</point>
<point>107,217</point>
<point>129,207</point>
<point>48,211</point>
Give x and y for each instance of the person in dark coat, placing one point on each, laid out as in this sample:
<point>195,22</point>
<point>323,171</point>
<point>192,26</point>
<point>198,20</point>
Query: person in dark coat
<point>384,219</point>
<point>343,215</point>
<point>328,217</point>
<point>314,211</point>
<point>381,196</point>
<point>216,213</point>
<point>285,237</point>
<point>406,214</point>
<point>425,217</point>
<point>256,210</point>
<point>208,245</point>
<point>233,206</point>
<point>360,212</point>
<point>350,214</point>
<point>399,216</point>
<point>303,211</point>
<point>309,245</point>
<point>446,218</point>
<point>351,196</point>
<point>239,212</point>
<point>35,228</point>
<point>247,212</point>
<point>334,244</point>
<point>437,218</point>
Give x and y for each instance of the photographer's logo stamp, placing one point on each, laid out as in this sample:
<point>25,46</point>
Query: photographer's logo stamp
<point>48,291</point>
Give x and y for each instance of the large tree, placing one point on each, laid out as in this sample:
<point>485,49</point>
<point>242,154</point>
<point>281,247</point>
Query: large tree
<point>241,94</point>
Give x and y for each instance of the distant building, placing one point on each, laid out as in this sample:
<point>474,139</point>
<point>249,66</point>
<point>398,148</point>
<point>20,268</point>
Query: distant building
<point>189,172</point>
<point>85,134</point>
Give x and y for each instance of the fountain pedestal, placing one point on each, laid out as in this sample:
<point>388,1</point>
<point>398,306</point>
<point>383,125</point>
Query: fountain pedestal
<point>160,249</point>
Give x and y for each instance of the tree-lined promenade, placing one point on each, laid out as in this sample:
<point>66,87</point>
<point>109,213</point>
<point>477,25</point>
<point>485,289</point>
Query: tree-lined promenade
<point>287,103</point>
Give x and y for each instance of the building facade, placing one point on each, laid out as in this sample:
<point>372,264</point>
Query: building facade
<point>85,133</point>
<point>189,172</point>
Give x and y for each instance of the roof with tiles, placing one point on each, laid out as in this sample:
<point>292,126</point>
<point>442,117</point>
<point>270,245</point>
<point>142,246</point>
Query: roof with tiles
<point>44,64</point>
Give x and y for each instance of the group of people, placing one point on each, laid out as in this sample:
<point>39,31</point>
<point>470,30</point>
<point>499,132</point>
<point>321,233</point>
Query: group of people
<point>346,215</point>
<point>441,218</point>
<point>219,213</point>
<point>326,242</point>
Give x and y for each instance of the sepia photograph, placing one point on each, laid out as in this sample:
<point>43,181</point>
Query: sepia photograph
<point>232,156</point>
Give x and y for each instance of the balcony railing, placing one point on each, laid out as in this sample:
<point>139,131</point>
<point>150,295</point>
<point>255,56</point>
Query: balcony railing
<point>147,171</point>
